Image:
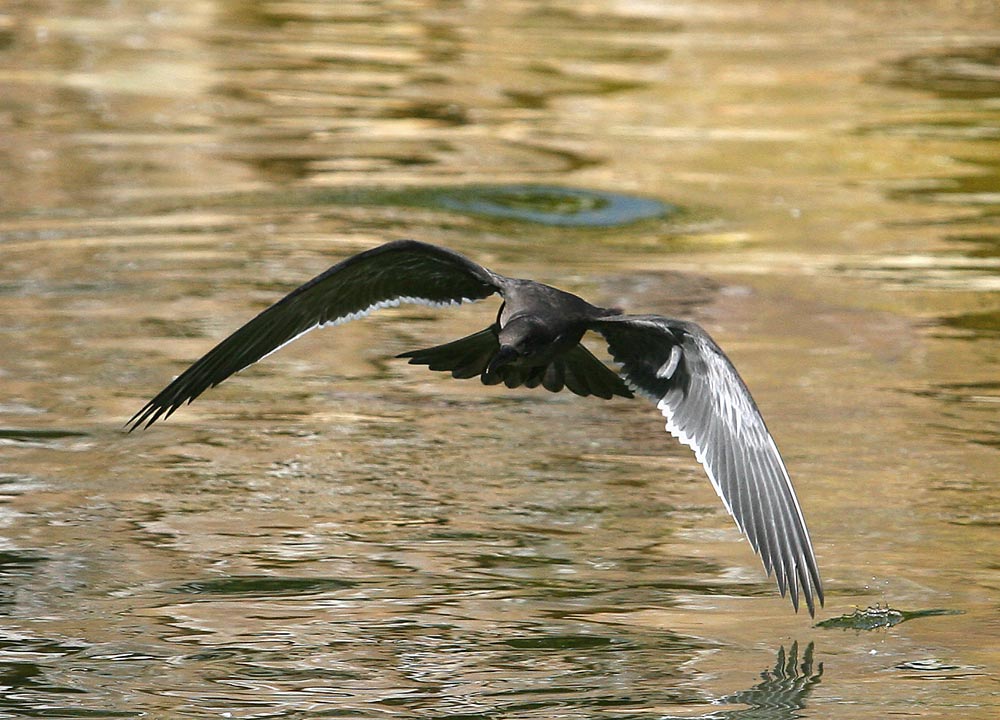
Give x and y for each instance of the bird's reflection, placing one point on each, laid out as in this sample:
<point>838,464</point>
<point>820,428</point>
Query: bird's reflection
<point>782,690</point>
<point>780,694</point>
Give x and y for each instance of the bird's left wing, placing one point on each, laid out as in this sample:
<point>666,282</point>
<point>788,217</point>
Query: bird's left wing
<point>708,407</point>
<point>397,272</point>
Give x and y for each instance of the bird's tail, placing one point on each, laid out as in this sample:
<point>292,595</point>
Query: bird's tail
<point>466,357</point>
<point>577,370</point>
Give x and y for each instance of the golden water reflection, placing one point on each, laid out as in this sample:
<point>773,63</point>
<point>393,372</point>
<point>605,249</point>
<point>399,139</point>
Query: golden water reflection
<point>334,532</point>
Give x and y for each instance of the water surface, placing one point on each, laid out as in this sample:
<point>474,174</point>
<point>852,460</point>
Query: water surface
<point>337,534</point>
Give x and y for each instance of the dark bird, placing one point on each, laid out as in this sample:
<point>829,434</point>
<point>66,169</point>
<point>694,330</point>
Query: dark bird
<point>534,341</point>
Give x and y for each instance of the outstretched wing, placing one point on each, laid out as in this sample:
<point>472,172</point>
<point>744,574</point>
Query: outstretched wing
<point>403,271</point>
<point>708,407</point>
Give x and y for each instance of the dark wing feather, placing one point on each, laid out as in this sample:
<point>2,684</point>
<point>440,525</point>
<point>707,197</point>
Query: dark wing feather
<point>397,272</point>
<point>708,407</point>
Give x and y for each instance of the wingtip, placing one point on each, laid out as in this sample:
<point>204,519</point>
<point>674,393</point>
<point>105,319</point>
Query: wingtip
<point>810,603</point>
<point>812,589</point>
<point>149,414</point>
<point>135,421</point>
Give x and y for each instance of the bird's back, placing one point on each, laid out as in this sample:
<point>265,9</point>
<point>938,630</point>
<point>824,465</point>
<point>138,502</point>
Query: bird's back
<point>555,308</point>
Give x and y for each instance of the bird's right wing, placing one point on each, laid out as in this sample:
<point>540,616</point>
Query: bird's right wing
<point>404,271</point>
<point>708,408</point>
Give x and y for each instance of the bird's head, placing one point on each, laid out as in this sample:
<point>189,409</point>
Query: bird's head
<point>521,339</point>
<point>523,336</point>
<point>504,356</point>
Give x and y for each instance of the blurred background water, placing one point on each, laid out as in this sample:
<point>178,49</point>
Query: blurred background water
<point>337,534</point>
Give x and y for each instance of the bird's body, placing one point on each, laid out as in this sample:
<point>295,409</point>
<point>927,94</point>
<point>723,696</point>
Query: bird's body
<point>534,341</point>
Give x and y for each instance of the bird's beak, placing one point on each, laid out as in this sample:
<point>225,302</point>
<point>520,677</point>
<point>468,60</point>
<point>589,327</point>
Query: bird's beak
<point>505,355</point>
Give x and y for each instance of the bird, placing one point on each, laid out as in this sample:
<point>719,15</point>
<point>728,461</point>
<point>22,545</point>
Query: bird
<point>534,341</point>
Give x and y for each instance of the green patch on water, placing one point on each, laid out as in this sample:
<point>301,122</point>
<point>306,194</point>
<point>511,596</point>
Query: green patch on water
<point>262,586</point>
<point>553,205</point>
<point>873,618</point>
<point>31,434</point>
<point>558,642</point>
<point>549,204</point>
<point>975,325</point>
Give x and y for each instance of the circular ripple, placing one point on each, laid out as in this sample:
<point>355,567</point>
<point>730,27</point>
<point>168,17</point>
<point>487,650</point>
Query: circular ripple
<point>551,205</point>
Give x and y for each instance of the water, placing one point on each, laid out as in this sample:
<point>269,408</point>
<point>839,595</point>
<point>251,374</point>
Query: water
<point>337,534</point>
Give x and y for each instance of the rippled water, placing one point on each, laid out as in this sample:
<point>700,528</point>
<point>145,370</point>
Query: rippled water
<point>337,534</point>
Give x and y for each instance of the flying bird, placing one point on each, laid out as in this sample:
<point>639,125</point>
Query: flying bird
<point>535,340</point>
